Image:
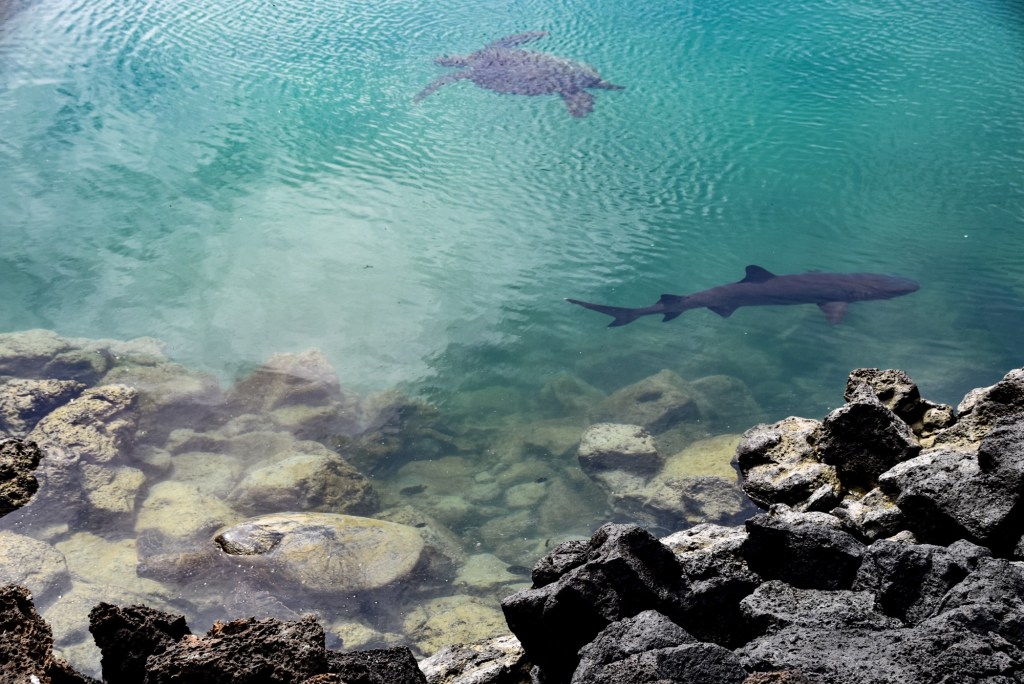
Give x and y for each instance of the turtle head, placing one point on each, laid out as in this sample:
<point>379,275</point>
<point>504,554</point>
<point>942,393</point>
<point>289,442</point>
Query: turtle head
<point>248,539</point>
<point>451,61</point>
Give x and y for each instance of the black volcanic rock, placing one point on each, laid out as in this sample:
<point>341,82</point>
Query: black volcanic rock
<point>128,636</point>
<point>626,571</point>
<point>806,550</point>
<point>863,439</point>
<point>18,461</point>
<point>26,643</point>
<point>947,494</point>
<point>245,651</point>
<point>909,581</point>
<point>651,649</point>
<point>376,666</point>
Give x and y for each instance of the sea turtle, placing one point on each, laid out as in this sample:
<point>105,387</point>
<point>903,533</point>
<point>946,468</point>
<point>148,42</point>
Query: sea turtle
<point>501,67</point>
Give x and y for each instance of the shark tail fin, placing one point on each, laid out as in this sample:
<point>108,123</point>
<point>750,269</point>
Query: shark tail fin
<point>622,315</point>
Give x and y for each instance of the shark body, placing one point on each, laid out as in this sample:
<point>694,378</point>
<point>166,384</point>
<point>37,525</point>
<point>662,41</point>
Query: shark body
<point>831,292</point>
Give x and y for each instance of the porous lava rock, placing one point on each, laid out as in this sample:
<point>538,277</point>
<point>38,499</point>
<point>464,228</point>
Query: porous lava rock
<point>648,649</point>
<point>26,644</point>
<point>127,637</point>
<point>806,550</point>
<point>18,461</point>
<point>622,571</point>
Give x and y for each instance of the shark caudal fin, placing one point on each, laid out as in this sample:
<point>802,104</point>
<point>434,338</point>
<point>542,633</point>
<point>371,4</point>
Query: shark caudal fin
<point>622,315</point>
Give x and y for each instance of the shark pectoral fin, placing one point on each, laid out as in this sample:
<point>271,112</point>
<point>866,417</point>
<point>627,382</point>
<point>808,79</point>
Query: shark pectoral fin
<point>834,311</point>
<point>671,316</point>
<point>723,311</point>
<point>579,103</point>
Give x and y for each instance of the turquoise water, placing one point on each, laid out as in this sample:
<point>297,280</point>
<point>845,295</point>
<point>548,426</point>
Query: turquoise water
<point>244,178</point>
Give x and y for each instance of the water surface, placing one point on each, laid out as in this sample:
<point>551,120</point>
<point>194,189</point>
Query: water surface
<point>244,178</point>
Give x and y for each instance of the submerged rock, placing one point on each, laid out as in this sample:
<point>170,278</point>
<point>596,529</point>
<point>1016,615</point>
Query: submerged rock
<point>98,428</point>
<point>170,396</point>
<point>437,623</point>
<point>695,485</point>
<point>657,403</point>
<point>307,477</point>
<point>23,403</point>
<point>299,393</point>
<point>33,564</point>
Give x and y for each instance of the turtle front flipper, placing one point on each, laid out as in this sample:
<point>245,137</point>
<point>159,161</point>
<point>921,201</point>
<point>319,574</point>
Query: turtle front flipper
<point>579,102</point>
<point>517,39</point>
<point>442,81</point>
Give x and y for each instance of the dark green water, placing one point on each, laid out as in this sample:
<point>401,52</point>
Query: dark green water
<point>244,178</point>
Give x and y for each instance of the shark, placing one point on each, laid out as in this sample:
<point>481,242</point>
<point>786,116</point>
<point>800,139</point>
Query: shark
<point>830,292</point>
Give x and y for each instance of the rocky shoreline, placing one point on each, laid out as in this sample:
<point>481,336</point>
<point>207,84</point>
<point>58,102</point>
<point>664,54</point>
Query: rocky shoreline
<point>889,549</point>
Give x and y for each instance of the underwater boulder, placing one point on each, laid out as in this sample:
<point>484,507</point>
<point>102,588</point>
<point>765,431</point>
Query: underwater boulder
<point>23,403</point>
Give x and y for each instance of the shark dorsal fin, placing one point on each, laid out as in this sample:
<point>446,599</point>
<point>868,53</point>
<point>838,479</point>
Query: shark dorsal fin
<point>756,274</point>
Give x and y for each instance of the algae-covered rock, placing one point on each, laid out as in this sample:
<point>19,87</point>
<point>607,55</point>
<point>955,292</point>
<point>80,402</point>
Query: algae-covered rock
<point>99,426</point>
<point>33,564</point>
<point>697,484</point>
<point>181,511</point>
<point>311,479</point>
<point>299,392</point>
<point>618,447</point>
<point>24,354</point>
<point>170,396</point>
<point>565,394</point>
<point>451,620</point>
<point>23,403</point>
<point>323,551</point>
<point>657,403</point>
<point>84,444</point>
<point>111,489</point>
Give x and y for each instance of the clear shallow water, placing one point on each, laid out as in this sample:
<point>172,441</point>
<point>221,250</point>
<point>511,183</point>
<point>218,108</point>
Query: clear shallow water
<point>239,179</point>
<point>244,178</point>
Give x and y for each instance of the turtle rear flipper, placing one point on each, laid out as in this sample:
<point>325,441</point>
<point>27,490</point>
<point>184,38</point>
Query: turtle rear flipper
<point>579,103</point>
